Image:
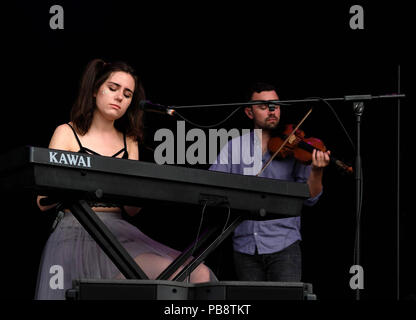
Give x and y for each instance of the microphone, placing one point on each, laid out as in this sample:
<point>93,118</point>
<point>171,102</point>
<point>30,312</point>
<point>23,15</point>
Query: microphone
<point>149,106</point>
<point>271,106</point>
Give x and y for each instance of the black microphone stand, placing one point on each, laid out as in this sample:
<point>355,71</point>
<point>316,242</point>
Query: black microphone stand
<point>358,111</point>
<point>358,108</point>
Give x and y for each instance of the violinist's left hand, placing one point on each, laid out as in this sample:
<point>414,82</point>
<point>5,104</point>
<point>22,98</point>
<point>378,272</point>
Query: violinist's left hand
<point>320,159</point>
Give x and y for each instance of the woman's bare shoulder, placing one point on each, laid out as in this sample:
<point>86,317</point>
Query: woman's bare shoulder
<point>62,138</point>
<point>63,128</point>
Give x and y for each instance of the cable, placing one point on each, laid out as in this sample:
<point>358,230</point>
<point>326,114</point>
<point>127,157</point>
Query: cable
<point>398,188</point>
<point>197,237</point>
<point>226,221</point>
<point>208,126</point>
<point>357,238</point>
<point>222,232</point>
<point>338,119</point>
<point>357,244</point>
<point>358,221</point>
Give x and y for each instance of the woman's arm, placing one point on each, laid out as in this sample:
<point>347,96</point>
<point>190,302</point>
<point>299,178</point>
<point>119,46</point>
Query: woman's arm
<point>133,148</point>
<point>60,140</point>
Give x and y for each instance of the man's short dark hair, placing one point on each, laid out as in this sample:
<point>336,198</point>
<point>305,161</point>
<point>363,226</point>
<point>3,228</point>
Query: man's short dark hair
<point>259,87</point>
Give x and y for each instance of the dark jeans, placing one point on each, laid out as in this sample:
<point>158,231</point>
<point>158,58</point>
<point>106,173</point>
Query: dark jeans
<point>284,266</point>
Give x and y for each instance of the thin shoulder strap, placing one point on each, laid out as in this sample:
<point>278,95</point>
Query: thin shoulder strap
<point>124,138</point>
<point>126,153</point>
<point>124,149</point>
<point>76,136</point>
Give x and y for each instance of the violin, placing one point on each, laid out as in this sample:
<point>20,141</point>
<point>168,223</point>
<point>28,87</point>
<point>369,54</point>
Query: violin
<point>300,148</point>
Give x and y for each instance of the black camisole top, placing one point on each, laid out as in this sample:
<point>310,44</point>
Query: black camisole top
<point>83,149</point>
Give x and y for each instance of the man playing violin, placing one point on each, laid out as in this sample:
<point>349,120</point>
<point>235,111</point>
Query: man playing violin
<point>269,250</point>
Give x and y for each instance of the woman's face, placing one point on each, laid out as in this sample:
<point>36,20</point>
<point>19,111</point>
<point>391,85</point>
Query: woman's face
<point>114,95</point>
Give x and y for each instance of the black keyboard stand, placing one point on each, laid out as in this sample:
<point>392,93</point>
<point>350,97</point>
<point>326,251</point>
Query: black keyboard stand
<point>198,260</point>
<point>106,240</point>
<point>122,259</point>
<point>183,257</point>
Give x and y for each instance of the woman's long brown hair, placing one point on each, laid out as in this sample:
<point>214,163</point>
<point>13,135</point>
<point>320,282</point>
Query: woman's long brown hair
<point>95,74</point>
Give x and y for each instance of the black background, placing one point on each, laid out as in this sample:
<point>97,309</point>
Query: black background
<point>210,52</point>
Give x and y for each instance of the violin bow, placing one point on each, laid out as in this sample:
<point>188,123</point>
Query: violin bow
<point>284,143</point>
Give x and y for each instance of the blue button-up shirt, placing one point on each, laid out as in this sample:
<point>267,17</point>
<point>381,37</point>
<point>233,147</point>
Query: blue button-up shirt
<point>267,236</point>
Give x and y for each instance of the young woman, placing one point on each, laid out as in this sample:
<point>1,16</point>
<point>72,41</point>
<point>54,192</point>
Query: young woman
<point>105,120</point>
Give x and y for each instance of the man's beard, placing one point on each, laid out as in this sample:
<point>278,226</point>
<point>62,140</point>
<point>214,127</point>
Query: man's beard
<point>269,125</point>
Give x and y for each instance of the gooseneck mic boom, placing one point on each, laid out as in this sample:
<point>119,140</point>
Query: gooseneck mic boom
<point>149,106</point>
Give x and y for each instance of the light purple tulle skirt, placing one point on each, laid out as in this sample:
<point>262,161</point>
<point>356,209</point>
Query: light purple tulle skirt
<point>71,251</point>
